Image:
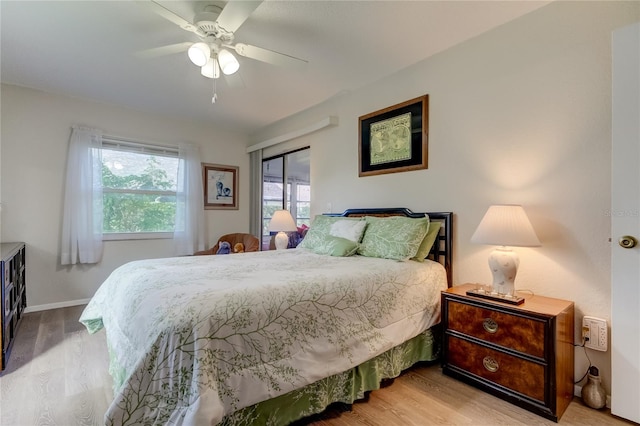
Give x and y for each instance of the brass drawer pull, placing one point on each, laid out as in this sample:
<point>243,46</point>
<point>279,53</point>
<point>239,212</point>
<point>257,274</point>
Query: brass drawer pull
<point>490,325</point>
<point>490,364</point>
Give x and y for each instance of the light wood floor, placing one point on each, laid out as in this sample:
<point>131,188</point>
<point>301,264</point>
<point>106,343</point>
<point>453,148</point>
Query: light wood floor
<point>57,375</point>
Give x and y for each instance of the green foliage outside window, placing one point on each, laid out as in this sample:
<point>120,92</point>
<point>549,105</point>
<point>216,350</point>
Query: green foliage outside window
<point>143,202</point>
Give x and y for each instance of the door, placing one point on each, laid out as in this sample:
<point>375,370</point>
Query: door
<point>625,220</point>
<point>286,184</point>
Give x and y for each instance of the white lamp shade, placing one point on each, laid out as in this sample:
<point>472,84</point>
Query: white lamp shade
<point>199,53</point>
<point>506,225</point>
<point>211,69</point>
<point>282,221</point>
<point>228,63</point>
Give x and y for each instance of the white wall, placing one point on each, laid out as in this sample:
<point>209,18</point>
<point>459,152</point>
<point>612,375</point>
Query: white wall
<point>521,114</point>
<point>35,134</point>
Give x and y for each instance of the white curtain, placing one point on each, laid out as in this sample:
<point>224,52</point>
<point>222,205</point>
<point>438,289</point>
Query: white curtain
<point>255,201</point>
<point>189,232</point>
<point>82,218</point>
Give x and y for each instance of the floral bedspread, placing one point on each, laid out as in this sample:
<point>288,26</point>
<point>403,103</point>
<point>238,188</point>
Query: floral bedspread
<point>193,339</point>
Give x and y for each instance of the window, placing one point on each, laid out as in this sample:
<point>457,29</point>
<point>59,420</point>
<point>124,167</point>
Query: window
<point>294,169</point>
<point>139,190</point>
<point>119,189</point>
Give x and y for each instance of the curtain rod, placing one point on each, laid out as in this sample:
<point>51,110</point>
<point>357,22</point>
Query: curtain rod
<point>120,139</point>
<point>325,122</point>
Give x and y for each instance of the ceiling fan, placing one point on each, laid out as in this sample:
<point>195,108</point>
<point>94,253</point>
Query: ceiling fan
<point>215,26</point>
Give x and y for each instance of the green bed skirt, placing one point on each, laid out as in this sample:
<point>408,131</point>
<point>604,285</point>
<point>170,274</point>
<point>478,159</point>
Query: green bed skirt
<point>345,387</point>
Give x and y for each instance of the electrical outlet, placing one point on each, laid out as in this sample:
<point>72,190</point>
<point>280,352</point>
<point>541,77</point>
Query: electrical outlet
<point>594,333</point>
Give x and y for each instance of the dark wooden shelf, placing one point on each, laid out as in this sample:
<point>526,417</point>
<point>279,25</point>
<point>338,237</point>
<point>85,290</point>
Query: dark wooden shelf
<point>13,295</point>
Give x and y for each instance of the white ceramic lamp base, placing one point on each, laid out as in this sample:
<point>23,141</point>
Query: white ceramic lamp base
<point>281,240</point>
<point>504,264</point>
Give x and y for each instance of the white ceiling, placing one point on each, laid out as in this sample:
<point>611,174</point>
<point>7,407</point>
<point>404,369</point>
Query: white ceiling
<point>90,50</point>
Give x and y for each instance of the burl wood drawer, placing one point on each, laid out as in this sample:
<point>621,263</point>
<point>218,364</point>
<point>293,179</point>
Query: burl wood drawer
<point>511,331</point>
<point>515,373</point>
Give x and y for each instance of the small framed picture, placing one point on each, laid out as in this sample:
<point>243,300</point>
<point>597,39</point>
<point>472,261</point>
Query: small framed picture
<point>220,187</point>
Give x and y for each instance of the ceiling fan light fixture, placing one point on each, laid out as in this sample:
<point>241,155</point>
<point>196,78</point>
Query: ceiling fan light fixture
<point>199,54</point>
<point>228,63</point>
<point>211,69</point>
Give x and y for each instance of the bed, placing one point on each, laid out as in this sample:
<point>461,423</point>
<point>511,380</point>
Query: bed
<point>271,337</point>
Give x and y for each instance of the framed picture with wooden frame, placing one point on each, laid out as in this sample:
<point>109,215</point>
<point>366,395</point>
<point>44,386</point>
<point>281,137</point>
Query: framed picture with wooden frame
<point>220,185</point>
<point>394,139</point>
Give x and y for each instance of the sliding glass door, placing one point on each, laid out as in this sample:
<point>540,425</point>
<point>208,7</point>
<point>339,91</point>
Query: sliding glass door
<point>286,185</point>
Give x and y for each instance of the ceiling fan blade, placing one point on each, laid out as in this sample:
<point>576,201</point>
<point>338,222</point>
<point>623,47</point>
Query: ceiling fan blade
<point>164,50</point>
<point>269,56</point>
<point>235,13</point>
<point>171,16</point>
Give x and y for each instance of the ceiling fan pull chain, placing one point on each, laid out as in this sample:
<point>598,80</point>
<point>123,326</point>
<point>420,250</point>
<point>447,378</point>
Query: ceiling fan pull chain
<point>215,95</point>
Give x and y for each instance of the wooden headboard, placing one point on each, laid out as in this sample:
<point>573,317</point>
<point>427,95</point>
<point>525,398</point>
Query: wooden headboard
<point>442,249</point>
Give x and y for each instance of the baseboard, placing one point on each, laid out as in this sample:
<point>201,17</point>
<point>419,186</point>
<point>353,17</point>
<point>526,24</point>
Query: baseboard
<point>577,391</point>
<point>48,306</point>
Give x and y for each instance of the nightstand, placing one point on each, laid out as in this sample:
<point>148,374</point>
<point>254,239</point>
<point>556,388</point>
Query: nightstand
<point>520,353</point>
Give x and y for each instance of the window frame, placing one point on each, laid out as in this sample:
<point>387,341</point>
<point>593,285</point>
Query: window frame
<point>116,144</point>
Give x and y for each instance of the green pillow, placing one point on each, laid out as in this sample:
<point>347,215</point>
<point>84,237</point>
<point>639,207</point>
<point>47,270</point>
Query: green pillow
<point>427,243</point>
<point>322,226</point>
<point>336,246</point>
<point>394,237</point>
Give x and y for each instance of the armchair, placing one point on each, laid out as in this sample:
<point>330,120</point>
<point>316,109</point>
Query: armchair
<point>250,242</point>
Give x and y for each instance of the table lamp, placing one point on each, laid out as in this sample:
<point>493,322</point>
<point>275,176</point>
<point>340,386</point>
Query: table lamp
<point>504,226</point>
<point>282,222</point>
